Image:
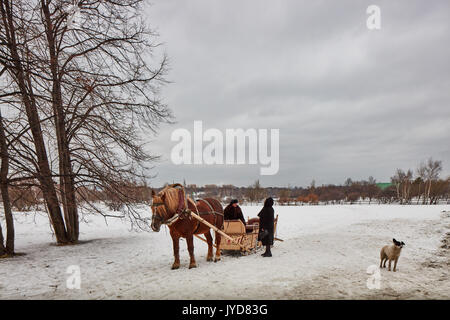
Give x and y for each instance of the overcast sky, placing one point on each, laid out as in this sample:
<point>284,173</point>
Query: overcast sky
<point>349,101</point>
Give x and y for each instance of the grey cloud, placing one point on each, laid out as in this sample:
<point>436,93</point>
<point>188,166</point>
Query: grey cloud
<point>349,102</point>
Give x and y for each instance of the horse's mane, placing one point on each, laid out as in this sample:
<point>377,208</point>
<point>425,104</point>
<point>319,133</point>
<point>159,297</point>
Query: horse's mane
<point>171,194</point>
<point>171,197</point>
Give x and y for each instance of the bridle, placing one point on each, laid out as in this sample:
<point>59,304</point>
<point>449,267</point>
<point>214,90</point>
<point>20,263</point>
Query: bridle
<point>182,210</point>
<point>156,216</point>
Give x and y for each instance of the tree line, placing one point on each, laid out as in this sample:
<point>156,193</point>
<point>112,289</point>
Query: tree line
<point>420,186</point>
<point>79,91</point>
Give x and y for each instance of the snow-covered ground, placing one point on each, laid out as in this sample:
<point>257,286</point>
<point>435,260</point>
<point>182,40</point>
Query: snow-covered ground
<point>326,253</point>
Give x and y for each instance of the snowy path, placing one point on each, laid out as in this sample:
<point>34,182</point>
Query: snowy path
<point>326,253</point>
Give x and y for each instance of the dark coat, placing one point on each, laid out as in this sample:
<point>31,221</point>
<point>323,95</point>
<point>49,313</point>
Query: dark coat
<point>233,213</point>
<point>266,221</point>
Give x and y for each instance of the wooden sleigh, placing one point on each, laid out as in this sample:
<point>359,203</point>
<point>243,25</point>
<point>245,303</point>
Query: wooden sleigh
<point>236,237</point>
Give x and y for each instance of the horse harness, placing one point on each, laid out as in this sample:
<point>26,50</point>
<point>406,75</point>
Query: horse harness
<point>184,212</point>
<point>214,212</point>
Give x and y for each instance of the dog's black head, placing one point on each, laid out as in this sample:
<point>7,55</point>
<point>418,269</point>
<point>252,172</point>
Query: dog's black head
<point>399,244</point>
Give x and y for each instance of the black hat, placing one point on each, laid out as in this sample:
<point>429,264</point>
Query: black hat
<point>234,201</point>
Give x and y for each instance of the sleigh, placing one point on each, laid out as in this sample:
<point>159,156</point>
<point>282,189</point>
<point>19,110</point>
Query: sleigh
<point>245,237</point>
<point>240,238</point>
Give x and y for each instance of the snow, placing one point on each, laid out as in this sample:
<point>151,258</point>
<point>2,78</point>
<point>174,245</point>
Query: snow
<point>326,253</point>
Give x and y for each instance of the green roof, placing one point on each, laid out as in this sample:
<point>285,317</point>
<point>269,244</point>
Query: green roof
<point>384,185</point>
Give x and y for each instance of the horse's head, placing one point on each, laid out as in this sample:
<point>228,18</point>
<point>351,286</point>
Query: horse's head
<point>158,211</point>
<point>163,207</point>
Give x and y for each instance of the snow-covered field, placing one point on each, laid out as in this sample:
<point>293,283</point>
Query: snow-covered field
<point>326,253</point>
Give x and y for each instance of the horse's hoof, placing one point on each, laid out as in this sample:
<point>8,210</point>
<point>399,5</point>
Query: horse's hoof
<point>216,259</point>
<point>209,259</point>
<point>192,265</point>
<point>175,266</point>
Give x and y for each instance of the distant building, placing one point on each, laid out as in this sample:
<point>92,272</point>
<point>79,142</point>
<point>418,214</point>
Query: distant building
<point>384,185</point>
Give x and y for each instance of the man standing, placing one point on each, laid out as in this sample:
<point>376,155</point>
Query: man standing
<point>233,212</point>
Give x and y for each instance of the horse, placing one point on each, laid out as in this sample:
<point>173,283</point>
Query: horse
<point>171,207</point>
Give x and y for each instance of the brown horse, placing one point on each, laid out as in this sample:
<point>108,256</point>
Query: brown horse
<point>171,206</point>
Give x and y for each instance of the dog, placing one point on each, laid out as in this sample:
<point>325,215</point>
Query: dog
<point>390,253</point>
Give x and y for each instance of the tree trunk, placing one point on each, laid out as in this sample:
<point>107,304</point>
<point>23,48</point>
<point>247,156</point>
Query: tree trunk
<point>428,192</point>
<point>2,242</point>
<point>418,194</point>
<point>4,190</point>
<point>67,183</point>
<point>398,192</point>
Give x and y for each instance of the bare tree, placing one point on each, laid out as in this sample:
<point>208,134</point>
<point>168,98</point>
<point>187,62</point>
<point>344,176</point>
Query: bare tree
<point>15,57</point>
<point>4,169</point>
<point>406,185</point>
<point>98,91</point>
<point>104,68</point>
<point>396,180</point>
<point>402,181</point>
<point>372,188</point>
<point>440,190</point>
<point>421,175</point>
<point>255,192</point>
<point>284,196</point>
<point>432,171</point>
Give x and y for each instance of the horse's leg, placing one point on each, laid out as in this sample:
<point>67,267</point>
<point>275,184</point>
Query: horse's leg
<point>176,251</point>
<point>210,246</point>
<point>190,245</point>
<point>218,238</point>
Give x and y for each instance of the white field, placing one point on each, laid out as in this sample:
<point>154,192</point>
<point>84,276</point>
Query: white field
<point>325,255</point>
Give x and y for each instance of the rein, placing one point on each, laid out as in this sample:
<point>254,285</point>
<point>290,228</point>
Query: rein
<point>158,217</point>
